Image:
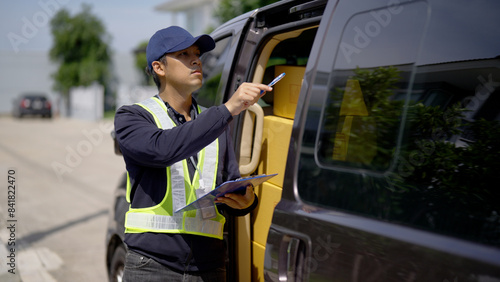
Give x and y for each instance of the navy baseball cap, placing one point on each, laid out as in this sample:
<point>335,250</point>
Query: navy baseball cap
<point>173,39</point>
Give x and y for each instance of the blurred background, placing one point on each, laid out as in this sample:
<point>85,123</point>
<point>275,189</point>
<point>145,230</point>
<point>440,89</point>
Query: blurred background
<point>41,38</point>
<point>65,67</point>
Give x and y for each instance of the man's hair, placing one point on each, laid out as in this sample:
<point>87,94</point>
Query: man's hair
<point>152,73</point>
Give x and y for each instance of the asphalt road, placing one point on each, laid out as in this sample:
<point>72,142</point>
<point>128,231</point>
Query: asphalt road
<point>57,179</point>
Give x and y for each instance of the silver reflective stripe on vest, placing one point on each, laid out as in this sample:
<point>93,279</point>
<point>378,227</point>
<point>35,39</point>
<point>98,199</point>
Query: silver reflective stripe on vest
<point>154,222</point>
<point>198,225</point>
<point>209,167</point>
<point>161,222</point>
<point>176,170</point>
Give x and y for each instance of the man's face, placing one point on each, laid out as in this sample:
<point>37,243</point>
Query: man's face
<point>183,70</point>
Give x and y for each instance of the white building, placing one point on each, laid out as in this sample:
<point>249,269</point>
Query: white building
<point>196,16</point>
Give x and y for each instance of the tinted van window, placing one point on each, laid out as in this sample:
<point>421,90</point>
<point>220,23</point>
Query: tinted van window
<point>213,64</point>
<point>409,130</point>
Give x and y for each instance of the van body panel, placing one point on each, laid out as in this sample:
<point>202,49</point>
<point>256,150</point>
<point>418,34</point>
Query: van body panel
<point>342,244</point>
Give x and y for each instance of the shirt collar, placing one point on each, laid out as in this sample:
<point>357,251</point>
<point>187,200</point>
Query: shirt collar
<point>179,118</point>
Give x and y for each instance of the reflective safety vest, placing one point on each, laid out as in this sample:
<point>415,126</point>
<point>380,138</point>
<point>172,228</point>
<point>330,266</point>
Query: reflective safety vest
<point>180,190</point>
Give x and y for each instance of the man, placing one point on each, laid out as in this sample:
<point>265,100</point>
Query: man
<point>174,152</point>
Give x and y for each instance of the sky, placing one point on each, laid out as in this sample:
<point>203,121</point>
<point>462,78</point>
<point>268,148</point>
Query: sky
<point>25,24</point>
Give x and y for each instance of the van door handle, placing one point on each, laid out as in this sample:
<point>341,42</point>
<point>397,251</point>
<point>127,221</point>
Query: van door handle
<point>250,167</point>
<point>238,83</point>
<point>290,262</point>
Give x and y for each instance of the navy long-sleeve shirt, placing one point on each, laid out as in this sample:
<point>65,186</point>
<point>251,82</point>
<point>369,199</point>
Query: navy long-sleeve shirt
<point>147,151</point>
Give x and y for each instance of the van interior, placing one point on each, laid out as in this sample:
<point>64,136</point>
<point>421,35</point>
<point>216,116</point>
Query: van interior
<point>266,133</point>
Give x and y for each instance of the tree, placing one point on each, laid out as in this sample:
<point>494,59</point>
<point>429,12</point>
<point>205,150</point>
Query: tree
<point>141,62</point>
<point>81,49</point>
<point>229,9</point>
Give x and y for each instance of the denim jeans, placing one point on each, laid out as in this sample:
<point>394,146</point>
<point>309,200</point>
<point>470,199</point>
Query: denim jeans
<point>139,268</point>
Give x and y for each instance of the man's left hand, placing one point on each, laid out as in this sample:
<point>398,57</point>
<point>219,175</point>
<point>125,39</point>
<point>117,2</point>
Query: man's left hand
<point>238,201</point>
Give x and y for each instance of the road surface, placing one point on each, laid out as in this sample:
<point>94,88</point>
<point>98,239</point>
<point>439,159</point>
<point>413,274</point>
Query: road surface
<point>57,180</point>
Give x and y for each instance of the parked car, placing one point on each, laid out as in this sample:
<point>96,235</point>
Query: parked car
<point>32,104</point>
<point>385,133</point>
<point>115,247</point>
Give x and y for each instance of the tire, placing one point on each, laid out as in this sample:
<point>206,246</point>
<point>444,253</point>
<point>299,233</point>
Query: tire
<point>117,264</point>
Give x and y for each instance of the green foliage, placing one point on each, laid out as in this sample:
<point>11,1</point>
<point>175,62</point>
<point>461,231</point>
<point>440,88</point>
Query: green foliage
<point>433,122</point>
<point>141,62</point>
<point>375,132</point>
<point>433,169</point>
<point>229,9</point>
<point>416,163</point>
<point>378,85</point>
<point>81,49</point>
<point>429,165</point>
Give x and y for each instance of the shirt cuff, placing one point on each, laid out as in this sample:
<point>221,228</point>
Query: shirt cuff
<point>225,113</point>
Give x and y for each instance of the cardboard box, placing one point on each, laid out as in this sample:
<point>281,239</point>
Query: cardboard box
<point>287,90</point>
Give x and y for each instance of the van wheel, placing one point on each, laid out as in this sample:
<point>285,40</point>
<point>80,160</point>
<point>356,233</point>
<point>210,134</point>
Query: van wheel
<point>117,264</point>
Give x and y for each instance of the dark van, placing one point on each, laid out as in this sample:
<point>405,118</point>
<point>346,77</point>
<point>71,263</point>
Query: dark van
<point>385,133</point>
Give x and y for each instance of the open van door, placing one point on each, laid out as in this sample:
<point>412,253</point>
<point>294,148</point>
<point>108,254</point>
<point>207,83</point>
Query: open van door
<point>279,39</point>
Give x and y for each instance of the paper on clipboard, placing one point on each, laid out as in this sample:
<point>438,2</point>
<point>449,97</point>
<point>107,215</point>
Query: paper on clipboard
<point>232,186</point>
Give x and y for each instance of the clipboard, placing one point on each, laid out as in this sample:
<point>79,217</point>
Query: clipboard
<point>233,186</point>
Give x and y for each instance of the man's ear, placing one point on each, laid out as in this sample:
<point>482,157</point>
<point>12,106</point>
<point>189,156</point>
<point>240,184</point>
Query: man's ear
<point>159,68</point>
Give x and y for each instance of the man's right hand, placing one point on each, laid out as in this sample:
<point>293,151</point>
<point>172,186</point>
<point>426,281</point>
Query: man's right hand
<point>246,95</point>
